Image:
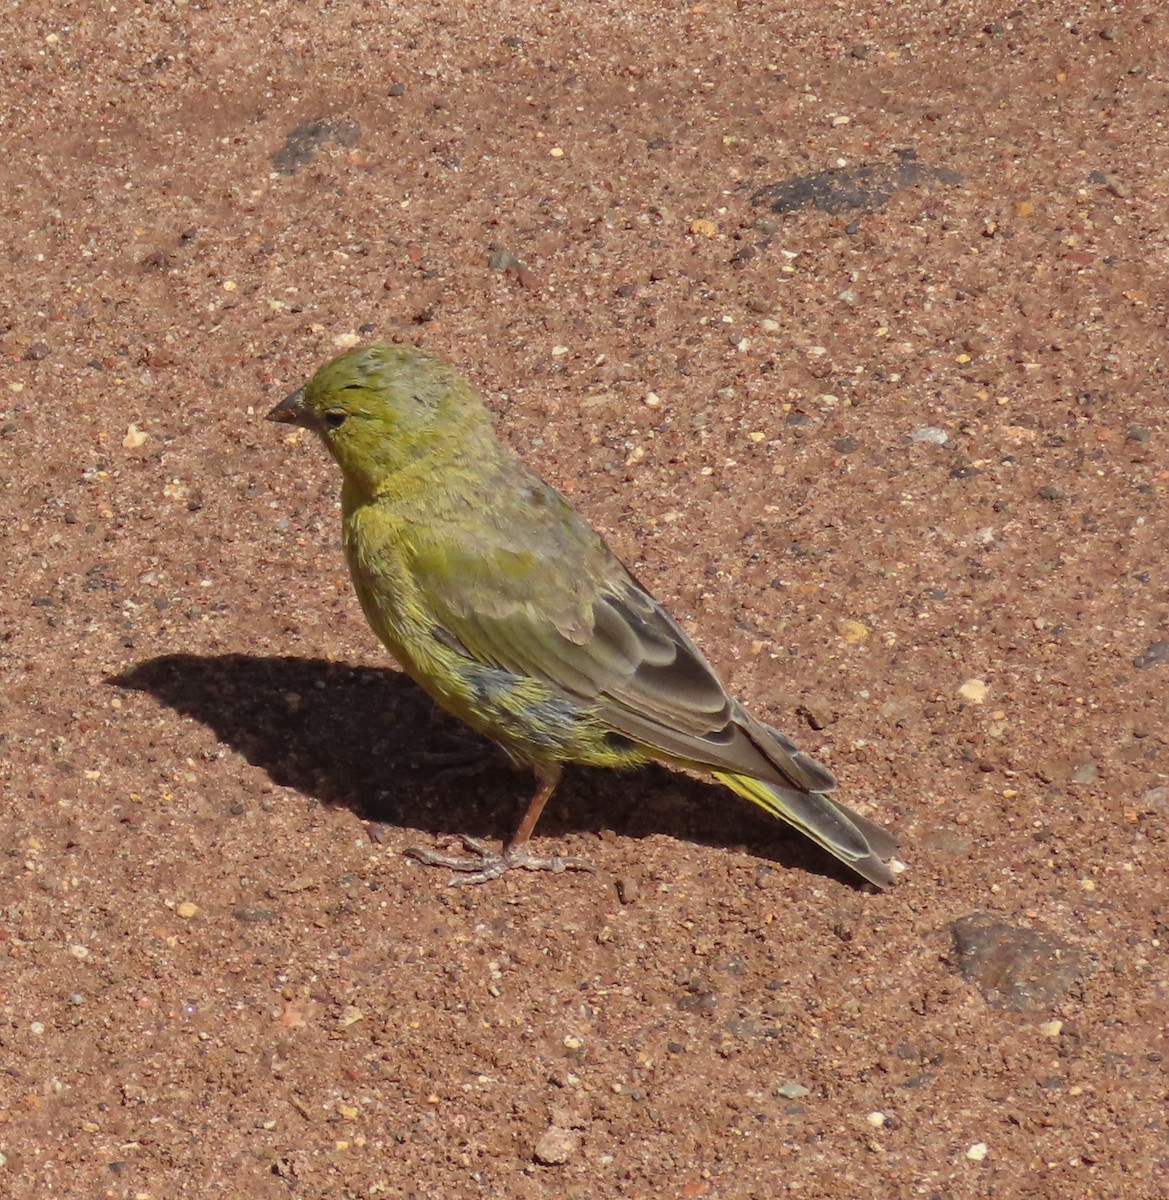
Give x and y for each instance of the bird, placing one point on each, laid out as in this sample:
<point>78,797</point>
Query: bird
<point>511,612</point>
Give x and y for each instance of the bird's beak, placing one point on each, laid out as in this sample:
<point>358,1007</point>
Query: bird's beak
<point>292,411</point>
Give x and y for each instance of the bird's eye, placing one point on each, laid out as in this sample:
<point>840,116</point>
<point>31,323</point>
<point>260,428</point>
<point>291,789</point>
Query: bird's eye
<point>335,419</point>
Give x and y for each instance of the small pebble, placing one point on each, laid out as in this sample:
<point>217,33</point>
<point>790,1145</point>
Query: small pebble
<point>978,1152</point>
<point>1014,967</point>
<point>1086,773</point>
<point>252,915</point>
<point>1152,656</point>
<point>186,910</point>
<point>973,690</point>
<point>819,716</point>
<point>853,632</point>
<point>556,1146</point>
<point>792,1091</point>
<point>1157,799</point>
<point>501,259</point>
<point>930,433</point>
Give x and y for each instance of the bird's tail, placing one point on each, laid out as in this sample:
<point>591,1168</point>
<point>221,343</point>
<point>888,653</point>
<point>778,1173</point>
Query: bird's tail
<point>855,840</point>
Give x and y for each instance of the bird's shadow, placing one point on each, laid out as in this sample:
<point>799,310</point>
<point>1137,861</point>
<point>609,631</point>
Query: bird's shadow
<point>360,738</point>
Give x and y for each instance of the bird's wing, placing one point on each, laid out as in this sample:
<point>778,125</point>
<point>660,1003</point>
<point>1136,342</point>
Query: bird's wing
<point>542,595</point>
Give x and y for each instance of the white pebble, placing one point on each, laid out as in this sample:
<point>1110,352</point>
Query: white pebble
<point>556,1146</point>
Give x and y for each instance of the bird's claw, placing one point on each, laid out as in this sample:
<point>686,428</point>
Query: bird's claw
<point>491,864</point>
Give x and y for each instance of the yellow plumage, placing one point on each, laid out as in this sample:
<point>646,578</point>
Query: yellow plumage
<point>501,601</point>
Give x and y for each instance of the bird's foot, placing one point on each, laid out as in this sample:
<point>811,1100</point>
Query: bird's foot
<point>491,864</point>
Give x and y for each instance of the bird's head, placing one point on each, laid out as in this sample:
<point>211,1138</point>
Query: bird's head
<point>380,408</point>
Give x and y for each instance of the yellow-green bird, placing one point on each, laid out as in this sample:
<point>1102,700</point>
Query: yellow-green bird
<point>510,610</point>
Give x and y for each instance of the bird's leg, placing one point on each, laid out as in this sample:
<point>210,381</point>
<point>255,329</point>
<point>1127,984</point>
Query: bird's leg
<point>461,758</point>
<point>491,864</point>
<point>546,779</point>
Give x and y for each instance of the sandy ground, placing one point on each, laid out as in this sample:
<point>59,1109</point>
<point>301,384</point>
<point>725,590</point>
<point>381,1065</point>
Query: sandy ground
<point>847,325</point>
